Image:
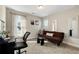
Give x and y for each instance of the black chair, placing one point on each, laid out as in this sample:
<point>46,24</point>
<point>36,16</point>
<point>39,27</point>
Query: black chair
<point>19,45</point>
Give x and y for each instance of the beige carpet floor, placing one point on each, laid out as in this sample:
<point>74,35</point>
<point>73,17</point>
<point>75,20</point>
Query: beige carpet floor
<point>50,48</point>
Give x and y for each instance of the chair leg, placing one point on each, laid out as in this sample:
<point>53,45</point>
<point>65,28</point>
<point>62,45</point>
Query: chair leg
<point>19,51</point>
<point>24,51</point>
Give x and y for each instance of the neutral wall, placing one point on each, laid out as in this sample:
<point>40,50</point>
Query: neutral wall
<point>63,19</point>
<point>3,15</point>
<point>31,28</point>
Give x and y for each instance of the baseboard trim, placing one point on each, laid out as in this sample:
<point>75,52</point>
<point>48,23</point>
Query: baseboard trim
<point>31,39</point>
<point>71,44</point>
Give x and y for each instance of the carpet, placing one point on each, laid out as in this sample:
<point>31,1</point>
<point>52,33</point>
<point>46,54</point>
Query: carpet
<point>49,48</point>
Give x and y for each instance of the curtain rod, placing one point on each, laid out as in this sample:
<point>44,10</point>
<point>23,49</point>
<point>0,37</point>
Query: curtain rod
<point>17,14</point>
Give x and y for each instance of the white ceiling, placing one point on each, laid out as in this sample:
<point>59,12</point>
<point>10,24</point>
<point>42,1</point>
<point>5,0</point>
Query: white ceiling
<point>45,11</point>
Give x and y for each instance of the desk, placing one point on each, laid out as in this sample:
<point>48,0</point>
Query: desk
<point>9,39</point>
<point>7,46</point>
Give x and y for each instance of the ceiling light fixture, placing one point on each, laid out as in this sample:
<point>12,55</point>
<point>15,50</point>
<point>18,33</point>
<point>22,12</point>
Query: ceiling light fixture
<point>40,7</point>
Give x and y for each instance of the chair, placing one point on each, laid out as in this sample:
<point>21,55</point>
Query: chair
<point>19,45</point>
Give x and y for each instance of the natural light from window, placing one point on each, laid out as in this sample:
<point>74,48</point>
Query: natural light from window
<point>19,25</point>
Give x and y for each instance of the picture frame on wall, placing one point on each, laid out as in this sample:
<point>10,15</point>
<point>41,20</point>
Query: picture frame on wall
<point>34,22</point>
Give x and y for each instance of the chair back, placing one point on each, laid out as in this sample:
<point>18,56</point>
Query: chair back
<point>26,36</point>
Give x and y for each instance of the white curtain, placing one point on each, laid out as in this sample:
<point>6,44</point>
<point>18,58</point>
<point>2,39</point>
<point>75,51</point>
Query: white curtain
<point>54,25</point>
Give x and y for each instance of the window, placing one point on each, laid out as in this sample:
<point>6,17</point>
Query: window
<point>19,25</point>
<point>2,26</point>
<point>45,23</point>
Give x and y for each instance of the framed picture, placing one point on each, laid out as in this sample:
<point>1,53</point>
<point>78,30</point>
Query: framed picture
<point>36,22</point>
<point>32,22</point>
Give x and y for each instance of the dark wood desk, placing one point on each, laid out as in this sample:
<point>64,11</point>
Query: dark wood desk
<point>7,46</point>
